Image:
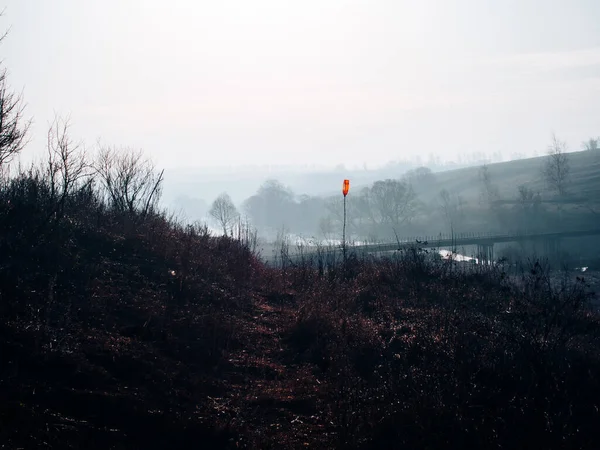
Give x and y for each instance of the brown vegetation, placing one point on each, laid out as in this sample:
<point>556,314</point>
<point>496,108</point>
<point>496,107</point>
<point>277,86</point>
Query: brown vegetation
<point>124,329</point>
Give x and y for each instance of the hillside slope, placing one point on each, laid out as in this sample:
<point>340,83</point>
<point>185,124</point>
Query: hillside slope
<point>124,331</point>
<point>584,177</point>
<point>155,337</point>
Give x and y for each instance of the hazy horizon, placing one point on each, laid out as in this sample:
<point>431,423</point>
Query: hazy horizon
<point>233,83</point>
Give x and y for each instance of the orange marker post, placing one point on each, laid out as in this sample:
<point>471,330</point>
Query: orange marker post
<point>345,189</point>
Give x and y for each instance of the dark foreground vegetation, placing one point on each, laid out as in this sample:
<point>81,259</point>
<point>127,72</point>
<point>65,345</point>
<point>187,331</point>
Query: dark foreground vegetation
<point>120,328</point>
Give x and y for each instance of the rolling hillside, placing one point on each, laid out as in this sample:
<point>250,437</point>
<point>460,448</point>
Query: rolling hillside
<point>507,176</point>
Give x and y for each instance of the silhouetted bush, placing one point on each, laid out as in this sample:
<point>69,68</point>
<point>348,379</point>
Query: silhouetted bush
<point>457,358</point>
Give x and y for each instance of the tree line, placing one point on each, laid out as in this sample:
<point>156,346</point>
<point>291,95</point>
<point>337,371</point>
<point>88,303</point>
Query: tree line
<point>411,202</point>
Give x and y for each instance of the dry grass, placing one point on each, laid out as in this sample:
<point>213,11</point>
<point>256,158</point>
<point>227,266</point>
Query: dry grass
<point>155,335</point>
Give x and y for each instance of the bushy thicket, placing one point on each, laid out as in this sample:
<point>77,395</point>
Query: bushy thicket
<point>111,316</point>
<point>421,354</point>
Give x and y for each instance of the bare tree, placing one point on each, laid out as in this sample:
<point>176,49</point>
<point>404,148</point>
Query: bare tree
<point>421,177</point>
<point>556,169</point>
<point>591,145</point>
<point>361,207</point>
<point>13,125</point>
<point>224,212</point>
<point>130,180</point>
<point>393,201</point>
<point>67,163</point>
<point>489,194</point>
<point>525,198</point>
<point>527,206</point>
<point>272,205</point>
<point>451,207</point>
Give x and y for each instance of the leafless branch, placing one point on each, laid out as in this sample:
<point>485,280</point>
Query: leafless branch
<point>130,180</point>
<point>67,160</point>
<point>13,126</point>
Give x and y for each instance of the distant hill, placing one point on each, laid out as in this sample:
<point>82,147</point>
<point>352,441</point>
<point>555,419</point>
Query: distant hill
<point>507,176</point>
<point>204,184</point>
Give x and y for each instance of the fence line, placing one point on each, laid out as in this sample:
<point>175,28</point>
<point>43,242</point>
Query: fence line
<point>441,240</point>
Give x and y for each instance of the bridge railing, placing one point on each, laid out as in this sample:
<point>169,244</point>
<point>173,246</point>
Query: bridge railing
<point>470,236</point>
<point>466,238</point>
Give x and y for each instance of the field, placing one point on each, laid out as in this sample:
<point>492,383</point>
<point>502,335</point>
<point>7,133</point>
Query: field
<point>584,178</point>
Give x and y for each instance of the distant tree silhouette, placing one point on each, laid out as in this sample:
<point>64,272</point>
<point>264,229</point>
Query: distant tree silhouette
<point>488,194</point>
<point>224,212</point>
<point>420,177</point>
<point>393,201</point>
<point>556,169</point>
<point>451,207</point>
<point>528,207</point>
<point>591,145</point>
<point>272,206</point>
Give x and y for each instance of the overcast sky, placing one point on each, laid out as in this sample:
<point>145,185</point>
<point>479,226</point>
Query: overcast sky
<point>222,82</point>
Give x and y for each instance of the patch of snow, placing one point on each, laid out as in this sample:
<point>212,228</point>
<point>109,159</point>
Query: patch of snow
<point>447,254</point>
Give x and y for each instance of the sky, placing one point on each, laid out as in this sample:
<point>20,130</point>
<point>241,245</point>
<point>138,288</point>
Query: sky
<point>234,82</point>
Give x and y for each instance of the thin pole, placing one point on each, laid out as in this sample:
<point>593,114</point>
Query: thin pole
<point>344,231</point>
